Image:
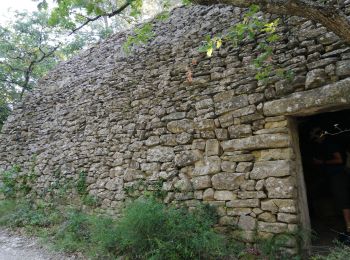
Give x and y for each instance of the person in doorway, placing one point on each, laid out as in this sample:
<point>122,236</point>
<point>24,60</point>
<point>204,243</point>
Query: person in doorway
<point>331,157</point>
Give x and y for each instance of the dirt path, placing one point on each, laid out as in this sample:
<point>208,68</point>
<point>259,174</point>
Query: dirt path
<point>17,247</point>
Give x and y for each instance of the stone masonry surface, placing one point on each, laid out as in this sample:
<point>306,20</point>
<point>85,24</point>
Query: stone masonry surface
<point>129,121</point>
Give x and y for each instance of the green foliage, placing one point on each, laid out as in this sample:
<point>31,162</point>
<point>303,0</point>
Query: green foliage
<point>270,248</point>
<point>158,191</point>
<point>339,252</point>
<point>150,230</point>
<point>72,14</point>
<point>136,6</point>
<point>186,2</point>
<point>210,45</point>
<point>25,213</point>
<point>94,235</point>
<point>29,48</point>
<point>81,184</point>
<point>23,44</point>
<point>141,36</point>
<point>16,183</point>
<point>4,110</point>
<point>163,16</point>
<point>154,189</point>
<point>251,26</point>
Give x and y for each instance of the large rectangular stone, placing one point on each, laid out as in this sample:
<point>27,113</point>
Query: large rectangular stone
<point>264,169</point>
<point>238,131</point>
<point>272,227</point>
<point>274,154</point>
<point>334,95</point>
<point>257,142</point>
<point>202,182</point>
<point>246,203</point>
<point>230,103</point>
<point>280,188</point>
<point>227,181</point>
<point>279,205</point>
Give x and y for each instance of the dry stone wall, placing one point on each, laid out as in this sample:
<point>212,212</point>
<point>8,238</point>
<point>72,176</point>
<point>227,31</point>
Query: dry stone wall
<point>139,122</point>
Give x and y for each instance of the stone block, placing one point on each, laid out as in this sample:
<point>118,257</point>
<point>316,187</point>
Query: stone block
<point>198,194</point>
<point>224,195</point>
<point>343,68</point>
<point>186,158</point>
<point>226,119</point>
<point>183,184</point>
<point>198,144</point>
<point>238,131</point>
<point>227,181</point>
<point>179,126</point>
<point>280,187</point>
<point>315,78</point>
<point>207,134</point>
<point>150,167</point>
<point>246,222</point>
<point>152,140</point>
<point>251,195</point>
<point>244,167</point>
<point>264,169</point>
<point>221,134</point>
<point>201,182</point>
<point>244,236</point>
<point>211,165</point>
<point>174,116</point>
<point>184,138</point>
<point>204,104</point>
<point>168,140</point>
<point>260,185</point>
<point>272,227</point>
<point>256,98</point>
<point>273,154</point>
<point>227,166</point>
<point>276,124</point>
<point>310,101</point>
<point>114,184</point>
<point>237,157</point>
<point>287,218</point>
<point>246,203</point>
<point>279,205</point>
<point>208,194</point>
<point>238,211</point>
<point>212,147</point>
<point>257,142</point>
<point>228,103</point>
<point>224,96</point>
<point>248,185</point>
<point>228,221</point>
<point>205,125</point>
<point>267,217</point>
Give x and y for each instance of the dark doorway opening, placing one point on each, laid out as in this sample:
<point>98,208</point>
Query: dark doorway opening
<point>326,216</point>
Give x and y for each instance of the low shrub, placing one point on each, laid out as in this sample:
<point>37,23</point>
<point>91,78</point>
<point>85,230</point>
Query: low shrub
<point>150,230</point>
<point>24,213</point>
<point>93,235</point>
<point>339,252</point>
<point>272,248</point>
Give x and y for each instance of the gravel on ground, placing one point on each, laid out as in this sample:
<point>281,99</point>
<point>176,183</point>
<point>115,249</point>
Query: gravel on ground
<point>15,246</point>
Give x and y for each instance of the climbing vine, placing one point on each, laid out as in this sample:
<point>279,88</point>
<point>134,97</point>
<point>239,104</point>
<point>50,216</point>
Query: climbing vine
<point>252,25</point>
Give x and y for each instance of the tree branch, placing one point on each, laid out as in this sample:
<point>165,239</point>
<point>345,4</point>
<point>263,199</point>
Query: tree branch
<point>109,15</point>
<point>328,15</point>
